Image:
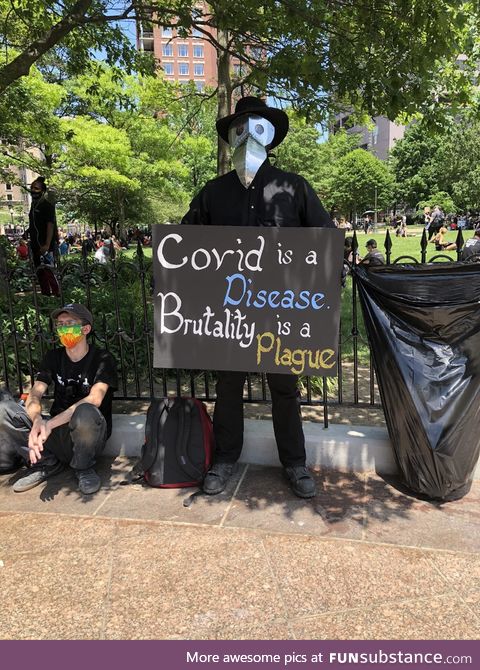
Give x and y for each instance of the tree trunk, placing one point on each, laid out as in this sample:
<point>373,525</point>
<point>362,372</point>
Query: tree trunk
<point>224,98</point>
<point>121,217</point>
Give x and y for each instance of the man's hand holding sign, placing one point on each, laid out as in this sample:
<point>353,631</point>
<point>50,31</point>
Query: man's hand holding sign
<point>251,283</point>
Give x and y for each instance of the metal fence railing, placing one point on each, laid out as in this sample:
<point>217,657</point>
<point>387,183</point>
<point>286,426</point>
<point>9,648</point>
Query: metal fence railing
<point>119,295</point>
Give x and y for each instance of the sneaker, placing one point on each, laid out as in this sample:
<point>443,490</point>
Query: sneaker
<point>217,477</point>
<point>36,476</point>
<point>301,481</point>
<point>88,481</point>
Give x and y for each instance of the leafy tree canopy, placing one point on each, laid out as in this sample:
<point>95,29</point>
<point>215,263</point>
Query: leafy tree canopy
<point>384,56</point>
<point>444,162</point>
<point>357,176</point>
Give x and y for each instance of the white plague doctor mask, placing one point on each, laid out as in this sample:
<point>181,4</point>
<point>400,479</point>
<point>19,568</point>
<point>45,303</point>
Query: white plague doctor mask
<point>249,136</point>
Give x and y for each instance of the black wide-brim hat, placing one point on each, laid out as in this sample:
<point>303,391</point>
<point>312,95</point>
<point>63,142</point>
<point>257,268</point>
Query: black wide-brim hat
<point>251,105</point>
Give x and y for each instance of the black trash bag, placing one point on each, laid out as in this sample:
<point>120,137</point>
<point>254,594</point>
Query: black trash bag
<point>423,324</point>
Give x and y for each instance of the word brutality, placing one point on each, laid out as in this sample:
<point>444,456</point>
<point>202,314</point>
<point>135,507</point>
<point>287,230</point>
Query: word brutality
<point>241,293</point>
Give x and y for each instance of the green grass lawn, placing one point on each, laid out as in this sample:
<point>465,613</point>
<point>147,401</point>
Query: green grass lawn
<point>407,246</point>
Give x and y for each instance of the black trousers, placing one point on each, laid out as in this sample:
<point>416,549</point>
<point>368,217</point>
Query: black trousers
<point>76,443</point>
<point>287,422</point>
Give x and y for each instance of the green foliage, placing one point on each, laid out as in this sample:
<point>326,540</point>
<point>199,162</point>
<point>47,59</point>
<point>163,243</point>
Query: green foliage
<point>381,56</point>
<point>443,164</point>
<point>356,177</point>
<point>412,163</point>
<point>442,199</point>
<point>303,152</point>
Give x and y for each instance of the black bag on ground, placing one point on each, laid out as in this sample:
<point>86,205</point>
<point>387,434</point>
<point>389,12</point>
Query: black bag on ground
<point>178,445</point>
<point>423,324</point>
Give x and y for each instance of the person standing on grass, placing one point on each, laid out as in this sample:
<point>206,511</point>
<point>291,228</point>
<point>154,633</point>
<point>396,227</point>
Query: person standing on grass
<point>43,235</point>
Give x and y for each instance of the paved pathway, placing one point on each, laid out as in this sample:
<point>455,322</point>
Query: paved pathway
<point>360,561</point>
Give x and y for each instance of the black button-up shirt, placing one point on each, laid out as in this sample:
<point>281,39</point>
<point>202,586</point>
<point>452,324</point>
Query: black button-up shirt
<point>274,198</point>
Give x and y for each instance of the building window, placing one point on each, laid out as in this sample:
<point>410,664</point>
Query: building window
<point>9,197</point>
<point>147,45</point>
<point>200,85</point>
<point>8,187</point>
<point>182,50</point>
<point>167,32</point>
<point>168,68</point>
<point>237,69</point>
<point>147,30</point>
<point>167,49</point>
<point>198,51</point>
<point>183,68</point>
<point>198,70</point>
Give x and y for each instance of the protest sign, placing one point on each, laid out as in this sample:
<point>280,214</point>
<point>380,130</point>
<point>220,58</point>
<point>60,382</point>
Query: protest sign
<point>247,299</point>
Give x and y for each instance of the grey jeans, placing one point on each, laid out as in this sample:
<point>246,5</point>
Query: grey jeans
<point>76,443</point>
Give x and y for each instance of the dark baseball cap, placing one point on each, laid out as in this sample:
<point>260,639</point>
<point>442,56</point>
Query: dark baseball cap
<point>371,243</point>
<point>80,311</point>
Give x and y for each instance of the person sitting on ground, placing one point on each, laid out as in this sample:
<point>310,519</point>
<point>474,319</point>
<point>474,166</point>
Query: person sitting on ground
<point>439,241</point>
<point>63,247</point>
<point>80,420</point>
<point>373,256</point>
<point>471,250</point>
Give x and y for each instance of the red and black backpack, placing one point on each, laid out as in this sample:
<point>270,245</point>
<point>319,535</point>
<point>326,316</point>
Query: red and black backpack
<point>178,445</point>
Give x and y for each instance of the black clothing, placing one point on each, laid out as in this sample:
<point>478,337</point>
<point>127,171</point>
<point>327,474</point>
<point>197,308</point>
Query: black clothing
<point>274,198</point>
<point>76,443</point>
<point>287,422</point>
<point>471,248</point>
<point>41,214</point>
<point>73,381</point>
<point>373,258</point>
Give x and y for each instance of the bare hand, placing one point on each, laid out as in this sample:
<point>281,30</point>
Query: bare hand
<point>38,435</point>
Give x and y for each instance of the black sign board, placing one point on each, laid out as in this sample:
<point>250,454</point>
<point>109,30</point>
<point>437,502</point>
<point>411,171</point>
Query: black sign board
<point>249,299</point>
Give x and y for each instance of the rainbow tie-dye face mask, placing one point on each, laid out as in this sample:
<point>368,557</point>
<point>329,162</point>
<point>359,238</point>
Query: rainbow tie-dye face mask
<point>69,336</point>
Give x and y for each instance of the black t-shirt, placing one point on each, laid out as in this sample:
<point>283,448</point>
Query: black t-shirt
<point>471,248</point>
<point>73,381</point>
<point>41,214</point>
<point>275,198</point>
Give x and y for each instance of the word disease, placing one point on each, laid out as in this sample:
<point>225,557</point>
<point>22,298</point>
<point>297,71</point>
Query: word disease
<point>248,301</point>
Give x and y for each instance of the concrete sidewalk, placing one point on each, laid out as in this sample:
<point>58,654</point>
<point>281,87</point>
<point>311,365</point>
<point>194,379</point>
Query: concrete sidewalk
<point>360,561</point>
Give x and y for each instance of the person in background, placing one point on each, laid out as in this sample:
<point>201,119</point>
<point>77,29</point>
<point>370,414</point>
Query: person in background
<point>437,218</point>
<point>42,232</point>
<point>63,247</point>
<point>80,420</point>
<point>439,241</point>
<point>373,257</point>
<point>471,250</point>
<point>22,249</point>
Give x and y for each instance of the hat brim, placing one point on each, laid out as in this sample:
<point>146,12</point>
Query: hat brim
<point>66,310</point>
<point>277,117</point>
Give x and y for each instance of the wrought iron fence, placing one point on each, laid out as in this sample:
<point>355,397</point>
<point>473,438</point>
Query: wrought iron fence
<point>119,295</point>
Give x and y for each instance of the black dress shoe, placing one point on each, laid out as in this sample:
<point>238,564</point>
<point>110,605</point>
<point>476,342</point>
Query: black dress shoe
<point>217,478</point>
<point>301,481</point>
